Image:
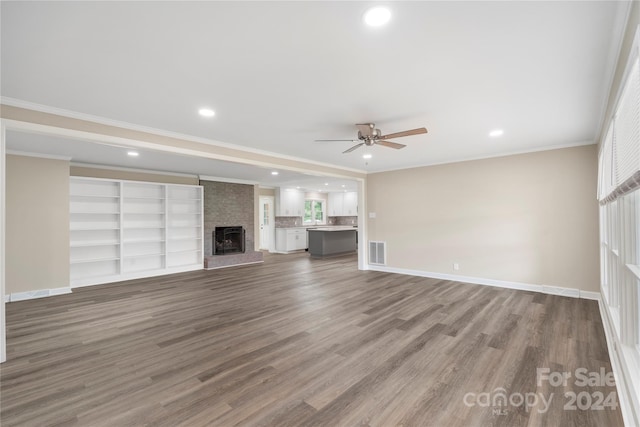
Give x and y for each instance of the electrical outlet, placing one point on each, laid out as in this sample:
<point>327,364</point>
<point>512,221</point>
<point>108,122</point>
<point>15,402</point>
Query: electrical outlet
<point>456,266</point>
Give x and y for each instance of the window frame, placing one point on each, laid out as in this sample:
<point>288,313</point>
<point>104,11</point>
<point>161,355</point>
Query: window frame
<point>314,201</point>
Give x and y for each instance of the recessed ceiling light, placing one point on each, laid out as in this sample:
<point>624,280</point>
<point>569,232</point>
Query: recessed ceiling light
<point>343,185</point>
<point>496,132</point>
<point>298,188</point>
<point>133,153</point>
<point>206,112</point>
<point>366,156</point>
<point>377,16</point>
<point>326,183</point>
<point>274,173</point>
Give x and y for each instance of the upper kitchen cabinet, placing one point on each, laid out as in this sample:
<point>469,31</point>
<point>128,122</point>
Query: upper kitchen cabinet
<point>343,204</point>
<point>350,205</point>
<point>289,202</point>
<point>336,201</point>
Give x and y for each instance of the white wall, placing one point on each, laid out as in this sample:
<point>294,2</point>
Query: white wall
<point>530,218</point>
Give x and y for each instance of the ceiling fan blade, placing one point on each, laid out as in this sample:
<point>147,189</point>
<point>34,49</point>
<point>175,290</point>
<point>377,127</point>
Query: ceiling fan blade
<point>405,133</point>
<point>352,148</point>
<point>391,144</point>
<point>330,140</point>
<point>366,129</point>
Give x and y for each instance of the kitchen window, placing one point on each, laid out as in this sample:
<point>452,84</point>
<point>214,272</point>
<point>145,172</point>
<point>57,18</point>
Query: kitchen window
<point>314,211</point>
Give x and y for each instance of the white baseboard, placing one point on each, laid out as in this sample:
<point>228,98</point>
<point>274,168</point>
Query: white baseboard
<point>629,401</point>
<point>103,280</point>
<point>234,265</point>
<point>40,293</point>
<point>553,290</point>
<point>590,295</point>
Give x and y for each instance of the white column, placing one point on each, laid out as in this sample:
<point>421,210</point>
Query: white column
<point>362,226</point>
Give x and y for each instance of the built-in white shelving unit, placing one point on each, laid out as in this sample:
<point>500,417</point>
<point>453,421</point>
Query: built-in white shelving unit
<point>122,230</point>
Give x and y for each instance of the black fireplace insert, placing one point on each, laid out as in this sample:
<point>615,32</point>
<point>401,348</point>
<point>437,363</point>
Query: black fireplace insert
<point>228,240</point>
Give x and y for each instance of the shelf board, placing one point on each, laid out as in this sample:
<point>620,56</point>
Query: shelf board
<point>142,255</point>
<point>185,213</point>
<point>184,226</point>
<point>143,213</point>
<point>125,228</point>
<point>94,229</point>
<point>143,198</point>
<point>128,242</point>
<point>89,244</point>
<point>93,196</point>
<point>93,213</point>
<point>182,199</point>
<point>185,251</point>
<point>179,239</point>
<point>84,261</point>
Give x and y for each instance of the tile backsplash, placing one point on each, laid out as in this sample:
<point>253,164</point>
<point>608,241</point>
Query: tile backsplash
<point>288,221</point>
<point>296,221</point>
<point>343,220</point>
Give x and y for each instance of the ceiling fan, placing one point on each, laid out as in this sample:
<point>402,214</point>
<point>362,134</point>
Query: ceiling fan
<point>369,135</point>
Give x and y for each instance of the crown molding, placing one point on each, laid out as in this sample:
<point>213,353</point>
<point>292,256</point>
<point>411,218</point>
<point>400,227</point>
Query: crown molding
<point>38,155</point>
<point>493,156</point>
<point>13,102</point>
<point>124,169</point>
<point>229,180</point>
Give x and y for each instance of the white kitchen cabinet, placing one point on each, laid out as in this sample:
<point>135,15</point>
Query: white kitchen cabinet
<point>350,204</point>
<point>289,202</point>
<point>291,239</point>
<point>343,204</point>
<point>336,201</point>
<point>126,229</point>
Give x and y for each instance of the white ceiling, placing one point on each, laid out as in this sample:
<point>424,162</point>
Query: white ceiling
<point>83,153</point>
<point>281,74</point>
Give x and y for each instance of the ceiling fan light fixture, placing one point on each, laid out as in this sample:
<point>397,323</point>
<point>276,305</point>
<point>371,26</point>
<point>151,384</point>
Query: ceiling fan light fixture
<point>366,156</point>
<point>377,16</point>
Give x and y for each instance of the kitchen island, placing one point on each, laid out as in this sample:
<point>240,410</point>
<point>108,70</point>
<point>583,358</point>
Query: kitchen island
<point>329,241</point>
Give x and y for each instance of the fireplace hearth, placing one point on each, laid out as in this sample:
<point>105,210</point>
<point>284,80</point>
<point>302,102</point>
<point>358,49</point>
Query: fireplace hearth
<point>228,240</point>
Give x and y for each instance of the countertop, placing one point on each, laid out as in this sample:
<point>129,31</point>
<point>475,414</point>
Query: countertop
<point>316,227</point>
<point>335,228</point>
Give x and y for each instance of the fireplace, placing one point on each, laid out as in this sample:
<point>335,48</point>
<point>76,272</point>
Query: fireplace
<point>228,240</point>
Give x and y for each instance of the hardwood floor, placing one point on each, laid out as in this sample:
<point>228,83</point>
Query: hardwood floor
<point>300,342</point>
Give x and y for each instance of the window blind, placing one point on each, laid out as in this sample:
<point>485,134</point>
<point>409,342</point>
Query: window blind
<point>619,162</point>
<point>606,180</point>
<point>627,126</point>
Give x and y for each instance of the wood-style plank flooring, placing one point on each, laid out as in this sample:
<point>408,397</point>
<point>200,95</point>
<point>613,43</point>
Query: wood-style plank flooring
<point>297,342</point>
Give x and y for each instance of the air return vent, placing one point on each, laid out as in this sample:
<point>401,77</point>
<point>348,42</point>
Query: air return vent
<point>377,253</point>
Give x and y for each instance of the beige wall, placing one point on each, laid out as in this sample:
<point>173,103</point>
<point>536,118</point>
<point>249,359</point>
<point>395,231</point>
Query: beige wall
<point>37,216</point>
<point>266,192</point>
<point>131,176</point>
<point>530,218</point>
<point>316,196</point>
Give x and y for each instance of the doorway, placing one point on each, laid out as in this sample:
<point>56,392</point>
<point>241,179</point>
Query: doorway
<point>267,226</point>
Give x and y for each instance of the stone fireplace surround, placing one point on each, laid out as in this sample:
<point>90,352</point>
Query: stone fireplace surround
<point>229,204</point>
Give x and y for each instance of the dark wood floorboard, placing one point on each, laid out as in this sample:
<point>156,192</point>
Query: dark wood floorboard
<point>296,342</point>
